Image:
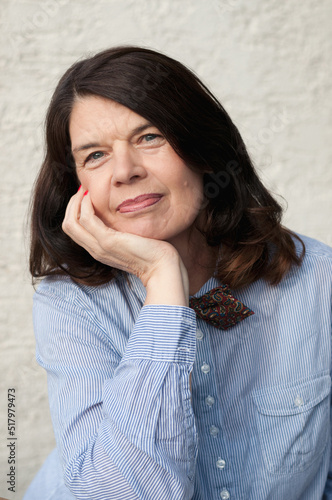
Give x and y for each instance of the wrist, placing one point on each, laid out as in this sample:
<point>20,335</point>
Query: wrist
<point>168,283</point>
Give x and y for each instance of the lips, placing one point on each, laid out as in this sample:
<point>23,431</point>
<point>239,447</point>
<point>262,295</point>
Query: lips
<point>139,203</point>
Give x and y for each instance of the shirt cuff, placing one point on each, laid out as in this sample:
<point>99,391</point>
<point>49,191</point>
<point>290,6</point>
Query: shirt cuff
<point>163,333</point>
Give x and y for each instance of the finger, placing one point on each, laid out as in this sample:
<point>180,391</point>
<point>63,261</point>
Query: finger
<point>71,223</point>
<point>73,209</point>
<point>87,209</point>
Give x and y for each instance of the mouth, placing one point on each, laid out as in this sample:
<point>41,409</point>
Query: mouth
<point>139,203</point>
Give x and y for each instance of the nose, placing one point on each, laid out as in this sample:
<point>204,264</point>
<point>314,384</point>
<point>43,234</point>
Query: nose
<point>127,166</point>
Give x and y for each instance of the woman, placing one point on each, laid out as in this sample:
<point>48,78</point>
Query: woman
<point>146,201</point>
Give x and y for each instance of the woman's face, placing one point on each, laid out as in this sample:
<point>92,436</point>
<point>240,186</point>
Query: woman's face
<point>137,183</point>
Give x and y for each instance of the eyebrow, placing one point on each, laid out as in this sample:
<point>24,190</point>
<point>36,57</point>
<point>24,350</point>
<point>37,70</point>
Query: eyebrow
<point>134,132</point>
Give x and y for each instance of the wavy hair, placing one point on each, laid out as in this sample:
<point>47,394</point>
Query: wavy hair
<point>241,215</point>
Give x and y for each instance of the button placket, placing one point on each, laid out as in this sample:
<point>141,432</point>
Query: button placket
<point>207,383</point>
<point>209,399</point>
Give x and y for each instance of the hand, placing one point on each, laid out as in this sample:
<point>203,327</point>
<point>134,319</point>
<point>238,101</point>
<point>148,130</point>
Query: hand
<point>156,263</point>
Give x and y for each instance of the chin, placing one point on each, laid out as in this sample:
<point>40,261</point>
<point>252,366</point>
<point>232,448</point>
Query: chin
<point>149,229</point>
<point>145,233</point>
<point>143,228</point>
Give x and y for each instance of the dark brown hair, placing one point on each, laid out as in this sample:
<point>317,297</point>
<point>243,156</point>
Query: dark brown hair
<point>241,214</point>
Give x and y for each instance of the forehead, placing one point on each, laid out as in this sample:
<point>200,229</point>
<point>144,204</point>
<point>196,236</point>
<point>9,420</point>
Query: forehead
<point>97,115</point>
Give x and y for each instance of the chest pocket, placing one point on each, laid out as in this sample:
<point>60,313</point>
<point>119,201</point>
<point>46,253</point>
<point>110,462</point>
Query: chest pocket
<point>293,424</point>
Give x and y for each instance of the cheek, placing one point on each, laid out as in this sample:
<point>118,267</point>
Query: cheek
<point>101,207</point>
<point>188,204</point>
<point>100,199</point>
<point>84,180</point>
<point>192,194</point>
<point>95,184</point>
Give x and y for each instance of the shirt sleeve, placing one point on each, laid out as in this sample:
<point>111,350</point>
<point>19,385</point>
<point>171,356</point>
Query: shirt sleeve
<point>328,486</point>
<point>124,426</point>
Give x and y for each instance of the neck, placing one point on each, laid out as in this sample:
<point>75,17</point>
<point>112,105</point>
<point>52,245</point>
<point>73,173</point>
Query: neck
<point>198,258</point>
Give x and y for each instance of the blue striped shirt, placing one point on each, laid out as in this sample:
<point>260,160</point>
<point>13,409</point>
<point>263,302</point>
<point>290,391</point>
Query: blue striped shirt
<point>256,425</point>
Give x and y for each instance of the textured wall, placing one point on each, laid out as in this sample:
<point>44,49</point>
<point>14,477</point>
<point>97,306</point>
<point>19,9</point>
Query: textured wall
<point>267,61</point>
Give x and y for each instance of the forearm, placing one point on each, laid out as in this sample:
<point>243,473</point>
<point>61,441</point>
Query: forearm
<point>125,426</point>
<point>136,447</point>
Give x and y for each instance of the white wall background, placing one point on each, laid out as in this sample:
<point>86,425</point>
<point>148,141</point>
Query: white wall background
<point>268,62</point>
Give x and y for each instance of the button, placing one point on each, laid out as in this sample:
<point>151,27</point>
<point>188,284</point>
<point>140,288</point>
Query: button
<point>199,334</point>
<point>205,368</point>
<point>298,401</point>
<point>220,463</point>
<point>209,400</point>
<point>225,495</point>
<point>214,431</point>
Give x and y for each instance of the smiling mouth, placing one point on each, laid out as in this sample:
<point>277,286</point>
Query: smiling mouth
<point>139,203</point>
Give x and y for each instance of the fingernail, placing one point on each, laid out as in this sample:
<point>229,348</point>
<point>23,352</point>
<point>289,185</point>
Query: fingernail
<point>86,192</point>
<point>79,188</point>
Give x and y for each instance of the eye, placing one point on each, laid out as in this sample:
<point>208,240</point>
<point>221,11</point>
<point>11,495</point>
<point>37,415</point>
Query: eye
<point>151,139</point>
<point>95,156</point>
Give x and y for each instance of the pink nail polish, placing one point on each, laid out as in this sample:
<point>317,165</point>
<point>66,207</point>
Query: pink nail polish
<point>79,188</point>
<point>86,192</point>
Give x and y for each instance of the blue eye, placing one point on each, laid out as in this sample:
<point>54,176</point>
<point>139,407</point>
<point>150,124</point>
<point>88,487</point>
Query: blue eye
<point>94,156</point>
<point>150,137</point>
